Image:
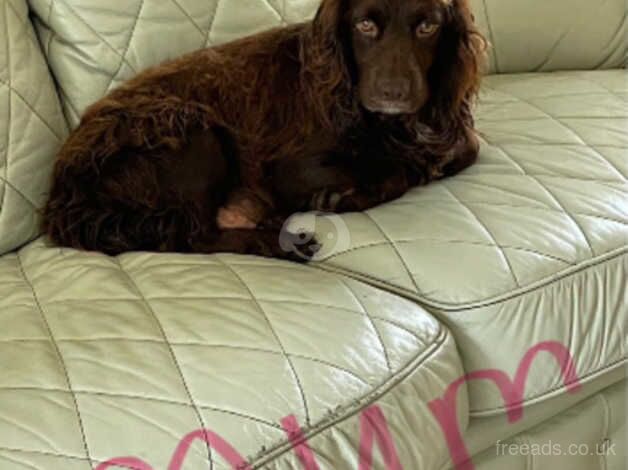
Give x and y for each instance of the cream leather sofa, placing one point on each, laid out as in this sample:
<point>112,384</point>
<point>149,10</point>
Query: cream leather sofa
<point>391,352</point>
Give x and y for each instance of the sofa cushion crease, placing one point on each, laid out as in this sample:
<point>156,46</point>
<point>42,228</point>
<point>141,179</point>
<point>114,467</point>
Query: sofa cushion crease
<point>115,348</point>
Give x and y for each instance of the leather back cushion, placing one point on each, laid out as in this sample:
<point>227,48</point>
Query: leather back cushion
<point>92,46</point>
<point>548,35</point>
<point>32,126</point>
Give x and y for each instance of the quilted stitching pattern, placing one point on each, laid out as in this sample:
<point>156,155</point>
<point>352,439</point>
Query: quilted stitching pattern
<point>548,196</point>
<point>31,126</point>
<point>117,349</point>
<point>104,45</point>
<point>99,46</point>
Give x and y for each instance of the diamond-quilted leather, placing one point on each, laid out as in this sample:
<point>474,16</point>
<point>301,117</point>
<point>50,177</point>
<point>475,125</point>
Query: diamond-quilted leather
<point>539,219</point>
<point>589,436</point>
<point>99,45</point>
<point>93,46</point>
<point>32,126</point>
<point>547,197</point>
<point>107,357</point>
<point>542,36</point>
<point>526,246</point>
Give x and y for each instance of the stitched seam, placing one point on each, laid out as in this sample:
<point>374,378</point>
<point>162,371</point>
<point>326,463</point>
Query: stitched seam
<point>32,109</point>
<point>414,364</point>
<point>351,312</point>
<point>15,425</point>
<point>498,102</point>
<point>475,304</point>
<point>68,106</point>
<point>582,76</point>
<point>29,117</point>
<point>273,301</point>
<point>599,155</point>
<point>27,25</point>
<point>491,36</point>
<point>620,28</point>
<point>445,241</point>
<point>551,194</point>
<point>515,164</point>
<point>553,49</point>
<point>548,209</point>
<point>282,20</point>
<point>329,364</point>
<point>272,329</point>
<point>17,191</point>
<point>95,33</point>
<point>515,143</point>
<point>394,247</point>
<point>58,353</point>
<point>50,454</point>
<point>126,49</point>
<point>9,110</point>
<point>205,345</point>
<point>50,7</point>
<point>212,18</point>
<point>143,398</point>
<point>512,206</point>
<point>565,126</point>
<point>535,118</point>
<point>377,332</point>
<point>488,232</point>
<point>152,313</point>
<point>550,392</point>
<point>189,17</point>
<point>541,175</point>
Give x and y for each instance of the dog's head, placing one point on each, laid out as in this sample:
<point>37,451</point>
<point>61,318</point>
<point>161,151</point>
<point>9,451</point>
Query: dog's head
<point>400,56</point>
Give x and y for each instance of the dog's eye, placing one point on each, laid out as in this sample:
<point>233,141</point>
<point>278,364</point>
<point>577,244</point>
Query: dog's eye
<point>426,28</point>
<point>367,27</point>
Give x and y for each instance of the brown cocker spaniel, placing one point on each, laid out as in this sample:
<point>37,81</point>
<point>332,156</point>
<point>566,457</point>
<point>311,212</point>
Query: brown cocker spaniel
<point>210,152</point>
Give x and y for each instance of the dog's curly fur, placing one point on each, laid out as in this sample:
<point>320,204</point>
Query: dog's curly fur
<point>151,163</point>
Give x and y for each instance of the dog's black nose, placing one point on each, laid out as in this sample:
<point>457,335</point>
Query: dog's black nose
<point>394,89</point>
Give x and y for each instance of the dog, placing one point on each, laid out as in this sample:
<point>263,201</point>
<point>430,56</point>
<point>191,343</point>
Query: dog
<point>212,151</point>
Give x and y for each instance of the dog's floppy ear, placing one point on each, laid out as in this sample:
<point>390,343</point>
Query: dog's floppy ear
<point>456,73</point>
<point>325,73</point>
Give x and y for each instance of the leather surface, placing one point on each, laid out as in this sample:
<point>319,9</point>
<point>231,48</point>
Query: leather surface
<point>123,356</point>
<point>586,312</point>
<point>528,245</point>
<point>483,432</point>
<point>99,45</point>
<point>542,216</point>
<point>31,126</point>
<point>543,36</point>
<point>105,357</point>
<point>546,198</point>
<point>589,436</point>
